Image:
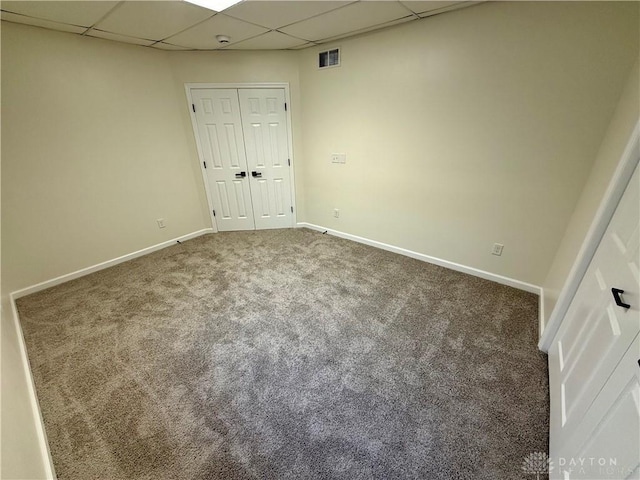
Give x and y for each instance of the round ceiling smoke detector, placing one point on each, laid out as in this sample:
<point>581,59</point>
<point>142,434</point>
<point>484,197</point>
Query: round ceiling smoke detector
<point>223,39</point>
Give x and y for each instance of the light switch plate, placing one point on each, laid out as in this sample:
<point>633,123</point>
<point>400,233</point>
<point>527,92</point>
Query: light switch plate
<point>338,158</point>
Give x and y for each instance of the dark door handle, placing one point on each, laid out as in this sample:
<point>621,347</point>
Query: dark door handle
<point>241,175</point>
<point>616,296</point>
<point>256,174</point>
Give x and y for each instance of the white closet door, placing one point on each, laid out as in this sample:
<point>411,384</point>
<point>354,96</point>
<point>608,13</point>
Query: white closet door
<point>217,113</point>
<point>598,330</point>
<point>264,124</point>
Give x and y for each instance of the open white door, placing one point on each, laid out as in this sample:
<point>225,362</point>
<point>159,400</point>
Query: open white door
<point>593,361</point>
<point>607,441</point>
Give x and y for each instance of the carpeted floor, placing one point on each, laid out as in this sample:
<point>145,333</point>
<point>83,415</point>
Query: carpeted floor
<point>286,354</point>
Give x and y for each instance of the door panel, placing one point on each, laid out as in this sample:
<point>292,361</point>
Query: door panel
<point>595,335</point>
<point>222,144</point>
<point>265,125</point>
<point>611,430</point>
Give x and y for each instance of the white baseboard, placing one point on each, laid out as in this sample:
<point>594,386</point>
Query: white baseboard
<point>101,266</point>
<point>541,313</point>
<point>511,282</point>
<point>35,406</point>
<point>38,421</point>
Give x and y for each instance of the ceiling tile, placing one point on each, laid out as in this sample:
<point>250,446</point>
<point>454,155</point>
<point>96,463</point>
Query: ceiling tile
<point>305,45</point>
<point>276,14</point>
<point>154,20</point>
<point>118,38</point>
<point>192,27</point>
<point>168,46</point>
<point>447,8</point>
<point>74,13</point>
<point>268,41</point>
<point>369,29</point>
<point>351,18</point>
<point>12,17</point>
<point>203,35</point>
<point>422,6</point>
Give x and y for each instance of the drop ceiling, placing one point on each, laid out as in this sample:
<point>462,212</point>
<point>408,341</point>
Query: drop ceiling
<point>251,24</point>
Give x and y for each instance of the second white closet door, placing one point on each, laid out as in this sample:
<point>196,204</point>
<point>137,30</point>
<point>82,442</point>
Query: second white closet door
<point>264,124</point>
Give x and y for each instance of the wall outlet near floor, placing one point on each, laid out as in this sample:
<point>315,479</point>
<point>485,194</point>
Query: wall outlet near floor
<point>336,213</point>
<point>161,223</point>
<point>497,249</point>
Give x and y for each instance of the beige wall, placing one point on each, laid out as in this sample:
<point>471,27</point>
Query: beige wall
<point>468,128</point>
<point>626,116</point>
<point>20,452</point>
<point>98,144</point>
<point>460,131</point>
<point>93,152</point>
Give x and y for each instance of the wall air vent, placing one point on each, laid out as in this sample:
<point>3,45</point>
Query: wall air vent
<point>329,58</point>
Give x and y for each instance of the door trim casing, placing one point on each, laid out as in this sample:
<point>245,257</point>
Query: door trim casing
<point>287,98</point>
<point>613,194</point>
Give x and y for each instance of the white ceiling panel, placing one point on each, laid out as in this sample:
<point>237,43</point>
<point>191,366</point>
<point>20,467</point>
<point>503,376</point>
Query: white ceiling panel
<point>268,41</point>
<point>85,13</point>
<point>306,45</point>
<point>251,24</point>
<point>421,7</point>
<point>276,14</point>
<point>354,17</point>
<point>369,29</point>
<point>12,17</point>
<point>168,46</point>
<point>119,38</point>
<point>203,35</point>
<point>447,8</point>
<point>154,20</point>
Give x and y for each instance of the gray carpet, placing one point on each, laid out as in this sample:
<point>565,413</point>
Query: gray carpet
<point>286,354</point>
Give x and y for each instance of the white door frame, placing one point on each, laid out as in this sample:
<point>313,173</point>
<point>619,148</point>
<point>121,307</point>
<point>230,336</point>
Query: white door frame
<point>287,98</point>
<point>613,194</point>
